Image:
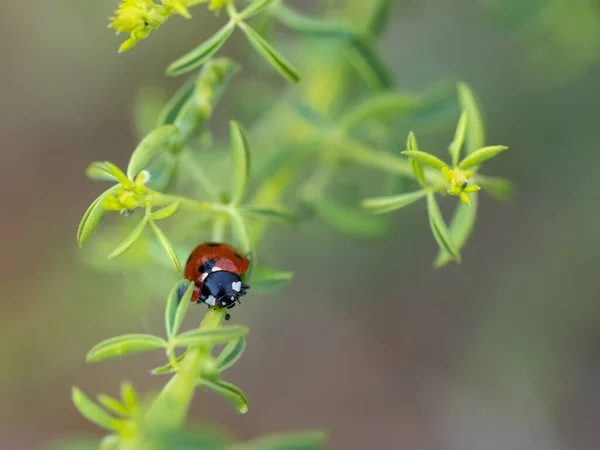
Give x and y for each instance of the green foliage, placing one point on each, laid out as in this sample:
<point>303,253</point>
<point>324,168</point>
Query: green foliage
<point>346,120</point>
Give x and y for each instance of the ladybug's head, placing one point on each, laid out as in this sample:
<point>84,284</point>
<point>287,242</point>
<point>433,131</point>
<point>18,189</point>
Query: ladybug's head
<point>222,289</point>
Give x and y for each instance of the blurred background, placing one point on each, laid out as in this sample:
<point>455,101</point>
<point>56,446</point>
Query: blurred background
<point>501,352</point>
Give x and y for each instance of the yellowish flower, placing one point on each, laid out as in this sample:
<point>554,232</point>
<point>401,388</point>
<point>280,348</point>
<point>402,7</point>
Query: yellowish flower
<point>458,181</point>
<point>126,200</point>
<point>138,18</point>
<point>218,4</point>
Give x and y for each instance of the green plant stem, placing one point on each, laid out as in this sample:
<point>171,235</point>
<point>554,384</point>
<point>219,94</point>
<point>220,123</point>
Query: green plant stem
<point>159,199</point>
<point>171,406</point>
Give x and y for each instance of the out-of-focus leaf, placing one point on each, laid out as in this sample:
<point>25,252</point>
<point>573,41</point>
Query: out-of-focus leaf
<point>348,220</point>
<point>501,188</point>
<point>369,64</point>
<point>381,11</point>
<point>195,338</point>
<point>311,116</point>
<point>119,175</point>
<point>241,162</point>
<point>378,107</point>
<point>475,136</point>
<point>92,412</point>
<point>425,158</point>
<point>459,138</point>
<point>461,227</point>
<point>148,103</point>
<point>278,62</point>
<point>130,239</point>
<point>165,212</point>
<point>162,239</point>
<point>481,155</point>
<point>171,109</point>
<point>230,354</point>
<point>265,279</point>
<point>303,440</point>
<point>382,205</point>
<point>167,368</point>
<point>129,397</point>
<point>229,392</point>
<point>124,345</point>
<point>254,8</point>
<point>202,53</point>
<point>112,404</point>
<point>439,229</point>
<point>313,26</point>
<point>240,233</point>
<point>270,214</point>
<point>100,171</point>
<point>187,439</point>
<point>149,148</point>
<point>177,306</point>
<point>93,217</point>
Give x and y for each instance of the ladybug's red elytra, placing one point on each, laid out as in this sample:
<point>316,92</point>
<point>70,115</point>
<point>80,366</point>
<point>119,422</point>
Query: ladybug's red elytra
<point>215,269</point>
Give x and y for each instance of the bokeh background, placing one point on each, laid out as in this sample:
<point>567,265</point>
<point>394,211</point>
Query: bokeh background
<point>369,343</point>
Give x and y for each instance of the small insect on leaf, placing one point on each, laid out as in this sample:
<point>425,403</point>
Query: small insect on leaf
<point>425,158</point>
<point>481,155</point>
<point>202,53</point>
<point>164,242</point>
<point>459,138</point>
<point>230,354</point>
<point>177,306</point>
<point>229,392</point>
<point>92,412</point>
<point>439,229</point>
<point>382,205</point>
<point>304,440</point>
<point>165,212</point>
<point>475,136</point>
<point>153,143</point>
<point>93,217</point>
<point>100,171</point>
<point>265,279</point>
<point>461,227</point>
<point>254,8</point>
<point>278,62</point>
<point>130,239</point>
<point>127,344</point>
<point>241,162</point>
<point>195,338</point>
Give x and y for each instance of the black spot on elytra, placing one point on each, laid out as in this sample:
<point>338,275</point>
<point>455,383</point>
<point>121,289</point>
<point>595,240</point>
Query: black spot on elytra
<point>238,256</point>
<point>207,266</point>
<point>213,244</point>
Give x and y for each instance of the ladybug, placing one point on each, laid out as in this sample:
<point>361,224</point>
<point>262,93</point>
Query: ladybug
<point>215,269</point>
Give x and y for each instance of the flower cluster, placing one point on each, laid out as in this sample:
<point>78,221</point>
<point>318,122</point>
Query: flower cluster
<point>128,197</point>
<point>458,183</point>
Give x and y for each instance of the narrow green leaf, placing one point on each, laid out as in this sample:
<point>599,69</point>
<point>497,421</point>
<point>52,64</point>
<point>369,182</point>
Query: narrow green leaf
<point>171,109</point>
<point>112,404</point>
<point>367,156</point>
<point>382,205</point>
<point>369,64</point>
<point>481,155</point>
<point>439,228</point>
<point>304,440</point>
<point>202,53</point>
<point>311,116</point>
<point>177,306</point>
<point>148,148</point>
<point>500,188</point>
<point>475,138</point>
<point>461,227</point>
<point>254,8</point>
<point>230,354</point>
<point>350,221</point>
<point>459,138</point>
<point>229,392</point>
<point>92,412</point>
<point>270,214</point>
<point>129,397</point>
<point>425,158</point>
<point>118,174</point>
<point>126,344</point>
<point>381,12</point>
<point>284,67</point>
<point>240,161</point>
<point>378,107</point>
<point>240,233</point>
<point>93,217</point>
<point>195,338</point>
<point>316,27</point>
<point>411,144</point>
<point>165,212</point>
<point>130,239</point>
<point>162,239</point>
<point>100,171</point>
<point>168,368</point>
<point>265,279</point>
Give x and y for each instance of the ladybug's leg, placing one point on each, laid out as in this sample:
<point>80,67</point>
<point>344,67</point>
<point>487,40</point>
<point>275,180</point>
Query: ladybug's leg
<point>227,316</point>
